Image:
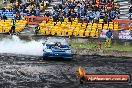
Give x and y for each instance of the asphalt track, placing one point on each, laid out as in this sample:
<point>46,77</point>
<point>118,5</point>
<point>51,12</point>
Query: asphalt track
<point>22,71</point>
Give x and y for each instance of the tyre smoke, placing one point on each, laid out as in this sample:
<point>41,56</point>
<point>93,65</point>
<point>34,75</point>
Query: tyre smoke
<point>17,46</point>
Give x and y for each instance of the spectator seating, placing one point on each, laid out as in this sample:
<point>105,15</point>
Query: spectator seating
<point>20,24</point>
<point>88,28</point>
<point>5,25</point>
<point>75,29</point>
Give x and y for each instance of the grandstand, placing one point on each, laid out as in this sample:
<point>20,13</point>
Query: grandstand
<point>68,18</point>
<point>83,28</point>
<point>5,25</point>
<point>74,28</point>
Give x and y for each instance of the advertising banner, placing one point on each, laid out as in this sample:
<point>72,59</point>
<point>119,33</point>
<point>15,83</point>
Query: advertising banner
<point>120,34</point>
<point>125,34</point>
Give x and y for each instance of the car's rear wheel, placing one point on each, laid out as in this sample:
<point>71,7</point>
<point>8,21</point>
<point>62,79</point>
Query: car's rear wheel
<point>44,58</point>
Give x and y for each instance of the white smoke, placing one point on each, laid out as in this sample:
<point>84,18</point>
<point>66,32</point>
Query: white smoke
<point>17,46</point>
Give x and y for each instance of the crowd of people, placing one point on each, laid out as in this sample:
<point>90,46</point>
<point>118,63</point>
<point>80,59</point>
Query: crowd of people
<point>130,11</point>
<point>86,10</point>
<point>28,9</point>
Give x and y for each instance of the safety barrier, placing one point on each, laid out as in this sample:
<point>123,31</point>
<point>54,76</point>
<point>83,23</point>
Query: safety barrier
<point>127,24</point>
<point>35,20</point>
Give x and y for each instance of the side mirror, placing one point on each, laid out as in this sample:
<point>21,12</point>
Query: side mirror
<point>69,44</point>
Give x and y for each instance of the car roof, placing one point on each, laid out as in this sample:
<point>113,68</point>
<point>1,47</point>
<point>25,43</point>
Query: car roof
<point>52,40</point>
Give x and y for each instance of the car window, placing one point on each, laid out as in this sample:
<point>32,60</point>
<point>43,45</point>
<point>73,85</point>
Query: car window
<point>64,46</point>
<point>50,46</point>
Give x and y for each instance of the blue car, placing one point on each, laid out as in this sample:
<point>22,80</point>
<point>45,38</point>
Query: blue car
<point>56,47</point>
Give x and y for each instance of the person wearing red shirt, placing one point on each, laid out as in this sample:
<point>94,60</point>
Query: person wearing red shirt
<point>109,5</point>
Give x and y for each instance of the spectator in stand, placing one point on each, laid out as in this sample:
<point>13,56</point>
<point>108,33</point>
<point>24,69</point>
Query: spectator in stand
<point>130,13</point>
<point>73,14</point>
<point>130,9</point>
<point>61,17</point>
<point>0,18</point>
<point>83,9</point>
<point>72,4</point>
<point>130,16</point>
<point>4,17</point>
<point>92,16</point>
<point>33,12</point>
<point>18,17</point>
<point>48,14</point>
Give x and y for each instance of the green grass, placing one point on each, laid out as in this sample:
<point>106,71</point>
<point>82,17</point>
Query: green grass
<point>93,46</point>
<point>120,48</point>
<point>77,45</point>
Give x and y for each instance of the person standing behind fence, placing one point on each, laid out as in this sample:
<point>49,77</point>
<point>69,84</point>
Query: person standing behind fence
<point>12,30</point>
<point>108,39</point>
<point>37,30</point>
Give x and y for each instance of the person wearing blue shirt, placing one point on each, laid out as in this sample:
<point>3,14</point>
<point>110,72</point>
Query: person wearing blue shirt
<point>72,5</point>
<point>91,16</point>
<point>108,39</point>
